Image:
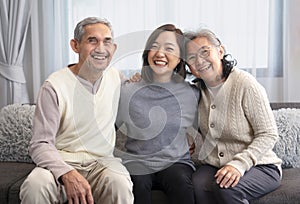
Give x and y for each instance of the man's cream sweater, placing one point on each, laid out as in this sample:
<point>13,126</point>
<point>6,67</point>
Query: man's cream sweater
<point>237,125</point>
<point>86,130</point>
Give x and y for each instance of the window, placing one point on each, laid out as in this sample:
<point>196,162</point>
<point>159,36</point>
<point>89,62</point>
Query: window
<point>247,28</point>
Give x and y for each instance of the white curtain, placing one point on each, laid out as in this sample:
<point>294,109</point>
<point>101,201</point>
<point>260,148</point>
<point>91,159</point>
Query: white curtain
<point>241,25</point>
<point>251,30</point>
<point>47,42</point>
<point>53,21</point>
<point>292,50</point>
<point>14,20</point>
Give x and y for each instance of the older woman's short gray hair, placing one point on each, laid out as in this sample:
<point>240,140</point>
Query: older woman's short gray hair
<point>79,30</point>
<point>203,32</point>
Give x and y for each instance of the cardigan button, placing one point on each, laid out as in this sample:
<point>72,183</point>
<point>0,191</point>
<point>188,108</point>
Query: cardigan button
<point>212,125</point>
<point>213,106</point>
<point>221,154</point>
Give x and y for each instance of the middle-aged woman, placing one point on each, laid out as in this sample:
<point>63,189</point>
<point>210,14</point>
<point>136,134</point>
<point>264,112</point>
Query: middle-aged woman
<point>237,126</point>
<point>155,113</point>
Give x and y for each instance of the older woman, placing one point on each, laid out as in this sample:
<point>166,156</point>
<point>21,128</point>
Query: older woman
<point>237,127</point>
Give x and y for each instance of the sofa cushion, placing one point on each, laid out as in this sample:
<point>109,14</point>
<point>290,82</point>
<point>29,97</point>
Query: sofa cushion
<point>288,146</point>
<point>12,175</point>
<point>287,193</point>
<point>15,132</point>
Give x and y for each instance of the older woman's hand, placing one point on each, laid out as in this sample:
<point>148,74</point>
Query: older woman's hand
<point>227,176</point>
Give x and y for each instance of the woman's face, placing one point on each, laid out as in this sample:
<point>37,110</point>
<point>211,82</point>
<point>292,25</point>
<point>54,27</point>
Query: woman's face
<point>163,56</point>
<point>204,60</point>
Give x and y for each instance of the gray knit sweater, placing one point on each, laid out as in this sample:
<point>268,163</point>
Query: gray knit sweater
<point>155,118</point>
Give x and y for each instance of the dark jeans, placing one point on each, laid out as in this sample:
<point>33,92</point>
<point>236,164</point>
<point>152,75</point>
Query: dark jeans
<point>256,182</point>
<point>175,181</point>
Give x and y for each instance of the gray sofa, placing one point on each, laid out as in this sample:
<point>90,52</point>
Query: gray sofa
<point>15,163</point>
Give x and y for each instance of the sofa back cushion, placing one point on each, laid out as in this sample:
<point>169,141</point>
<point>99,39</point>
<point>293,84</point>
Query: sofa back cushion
<point>288,146</point>
<point>15,132</point>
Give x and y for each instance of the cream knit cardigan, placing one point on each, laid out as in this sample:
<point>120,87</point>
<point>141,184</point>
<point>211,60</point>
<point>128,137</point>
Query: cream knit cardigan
<point>237,126</point>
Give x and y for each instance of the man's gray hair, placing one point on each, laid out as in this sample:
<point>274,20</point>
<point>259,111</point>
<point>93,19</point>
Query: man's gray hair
<point>79,30</point>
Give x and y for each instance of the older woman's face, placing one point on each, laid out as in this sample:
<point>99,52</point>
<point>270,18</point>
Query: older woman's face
<point>204,60</point>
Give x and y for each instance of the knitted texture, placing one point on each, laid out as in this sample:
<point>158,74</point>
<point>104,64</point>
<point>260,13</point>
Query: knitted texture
<point>287,147</point>
<point>15,132</point>
<point>238,124</point>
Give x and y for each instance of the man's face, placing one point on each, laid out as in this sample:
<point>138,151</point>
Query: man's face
<point>96,47</point>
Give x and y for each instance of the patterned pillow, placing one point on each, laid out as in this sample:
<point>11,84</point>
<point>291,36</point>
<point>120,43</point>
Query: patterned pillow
<point>288,146</point>
<point>15,132</point>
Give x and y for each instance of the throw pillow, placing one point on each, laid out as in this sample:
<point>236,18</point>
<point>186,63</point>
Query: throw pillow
<point>15,132</point>
<point>288,146</point>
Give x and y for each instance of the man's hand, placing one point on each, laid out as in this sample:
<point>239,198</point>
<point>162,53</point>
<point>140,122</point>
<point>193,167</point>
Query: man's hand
<point>227,176</point>
<point>77,188</point>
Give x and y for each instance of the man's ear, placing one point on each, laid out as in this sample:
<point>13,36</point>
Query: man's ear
<point>74,45</point>
<point>114,48</point>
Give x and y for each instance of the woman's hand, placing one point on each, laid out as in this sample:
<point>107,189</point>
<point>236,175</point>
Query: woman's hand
<point>227,176</point>
<point>135,78</point>
<point>192,148</point>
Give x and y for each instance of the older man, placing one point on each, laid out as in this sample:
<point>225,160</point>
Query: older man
<point>73,131</point>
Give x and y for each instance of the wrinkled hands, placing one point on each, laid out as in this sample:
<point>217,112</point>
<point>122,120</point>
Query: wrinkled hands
<point>77,188</point>
<point>227,176</point>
